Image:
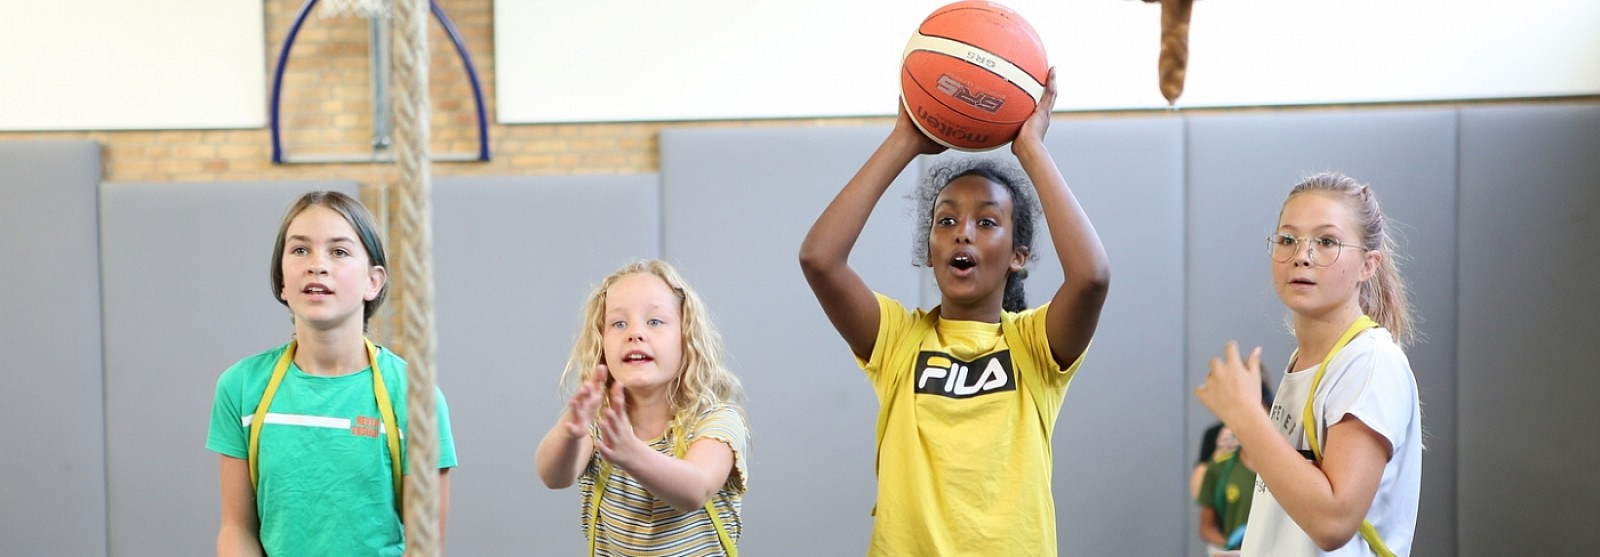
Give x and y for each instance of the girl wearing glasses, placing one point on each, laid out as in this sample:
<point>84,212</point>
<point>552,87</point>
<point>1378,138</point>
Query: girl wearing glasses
<point>1338,456</point>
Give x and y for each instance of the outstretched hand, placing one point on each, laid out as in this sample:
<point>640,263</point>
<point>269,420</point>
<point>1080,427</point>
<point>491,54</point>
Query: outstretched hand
<point>617,443</point>
<point>1038,123</point>
<point>581,409</point>
<point>1233,385</point>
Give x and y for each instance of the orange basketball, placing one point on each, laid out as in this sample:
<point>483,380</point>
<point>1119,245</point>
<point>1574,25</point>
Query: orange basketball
<point>972,74</point>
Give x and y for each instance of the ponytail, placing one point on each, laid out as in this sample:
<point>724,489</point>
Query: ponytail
<point>1015,299</point>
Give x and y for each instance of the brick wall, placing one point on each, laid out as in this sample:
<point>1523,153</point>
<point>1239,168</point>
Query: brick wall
<point>327,109</point>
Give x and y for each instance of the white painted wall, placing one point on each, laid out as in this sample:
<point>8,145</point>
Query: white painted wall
<point>145,64</point>
<point>630,60</point>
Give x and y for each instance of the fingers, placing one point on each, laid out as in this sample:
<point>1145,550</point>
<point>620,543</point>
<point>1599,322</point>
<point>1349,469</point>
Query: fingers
<point>619,399</point>
<point>584,404</point>
<point>1254,364</point>
<point>614,425</point>
<point>1230,351</point>
<point>1048,100</point>
<point>614,420</point>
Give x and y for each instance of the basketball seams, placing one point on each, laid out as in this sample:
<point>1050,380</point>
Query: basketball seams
<point>971,21</point>
<point>1002,68</point>
<point>962,72</point>
<point>958,109</point>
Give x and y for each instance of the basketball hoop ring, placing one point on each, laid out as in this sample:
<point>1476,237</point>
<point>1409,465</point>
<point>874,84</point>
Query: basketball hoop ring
<point>378,13</point>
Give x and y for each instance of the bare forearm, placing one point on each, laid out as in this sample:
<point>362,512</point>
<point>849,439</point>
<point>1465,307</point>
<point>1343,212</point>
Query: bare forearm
<point>679,483</point>
<point>1083,258</point>
<point>1075,308</point>
<point>824,256</point>
<point>830,240</point>
<point>1208,529</point>
<point>238,541</point>
<point>1300,487</point>
<point>444,505</point>
<point>561,456</point>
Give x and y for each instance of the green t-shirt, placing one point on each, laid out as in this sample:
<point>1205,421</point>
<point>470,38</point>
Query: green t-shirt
<point>1234,506</point>
<point>326,484</point>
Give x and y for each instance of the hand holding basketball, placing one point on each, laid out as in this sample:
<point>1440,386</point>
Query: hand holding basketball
<point>905,128</point>
<point>1034,128</point>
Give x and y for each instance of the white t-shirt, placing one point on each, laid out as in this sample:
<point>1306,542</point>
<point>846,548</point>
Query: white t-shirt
<point>1370,380</point>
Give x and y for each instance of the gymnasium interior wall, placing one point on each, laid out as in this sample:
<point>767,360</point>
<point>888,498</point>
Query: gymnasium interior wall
<point>136,271</point>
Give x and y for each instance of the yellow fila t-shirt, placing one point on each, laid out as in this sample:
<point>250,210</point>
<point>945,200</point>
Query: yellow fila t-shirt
<point>964,459</point>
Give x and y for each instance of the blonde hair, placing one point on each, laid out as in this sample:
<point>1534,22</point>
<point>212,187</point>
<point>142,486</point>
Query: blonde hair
<point>1383,297</point>
<point>704,381</point>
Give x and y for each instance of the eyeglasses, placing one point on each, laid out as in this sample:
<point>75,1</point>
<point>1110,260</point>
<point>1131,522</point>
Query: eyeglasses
<point>1283,247</point>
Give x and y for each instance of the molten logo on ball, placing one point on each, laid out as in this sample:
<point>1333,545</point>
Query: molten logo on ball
<point>949,130</point>
<point>959,91</point>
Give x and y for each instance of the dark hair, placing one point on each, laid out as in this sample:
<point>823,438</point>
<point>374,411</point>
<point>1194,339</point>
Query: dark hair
<point>359,218</point>
<point>1024,212</point>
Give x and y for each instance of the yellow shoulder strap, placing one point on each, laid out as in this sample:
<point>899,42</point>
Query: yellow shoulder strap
<point>385,409</point>
<point>1368,532</point>
<point>604,475</point>
<point>278,371</point>
<point>390,424</point>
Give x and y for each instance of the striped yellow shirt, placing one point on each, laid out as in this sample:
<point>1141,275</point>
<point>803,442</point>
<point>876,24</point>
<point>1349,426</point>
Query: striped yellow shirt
<point>635,522</point>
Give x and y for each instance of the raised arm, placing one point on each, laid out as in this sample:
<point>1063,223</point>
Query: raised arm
<point>1075,309</point>
<point>825,254</point>
<point>566,448</point>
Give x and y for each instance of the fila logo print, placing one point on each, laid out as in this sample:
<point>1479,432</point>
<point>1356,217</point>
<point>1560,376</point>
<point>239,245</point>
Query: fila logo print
<point>940,374</point>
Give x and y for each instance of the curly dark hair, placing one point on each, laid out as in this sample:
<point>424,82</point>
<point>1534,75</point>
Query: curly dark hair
<point>1024,212</point>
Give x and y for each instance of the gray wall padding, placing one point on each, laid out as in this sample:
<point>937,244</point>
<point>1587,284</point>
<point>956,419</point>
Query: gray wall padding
<point>1530,218</point>
<point>1240,170</point>
<point>188,292</point>
<point>52,429</point>
<point>121,308</point>
<point>514,259</point>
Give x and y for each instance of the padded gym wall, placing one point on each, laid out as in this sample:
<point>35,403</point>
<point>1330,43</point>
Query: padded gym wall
<point>52,470</point>
<point>1527,448</point>
<point>514,259</point>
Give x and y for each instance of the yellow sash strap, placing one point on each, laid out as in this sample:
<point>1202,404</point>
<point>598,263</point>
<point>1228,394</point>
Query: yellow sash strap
<point>1368,532</point>
<point>604,476</point>
<point>385,409</point>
